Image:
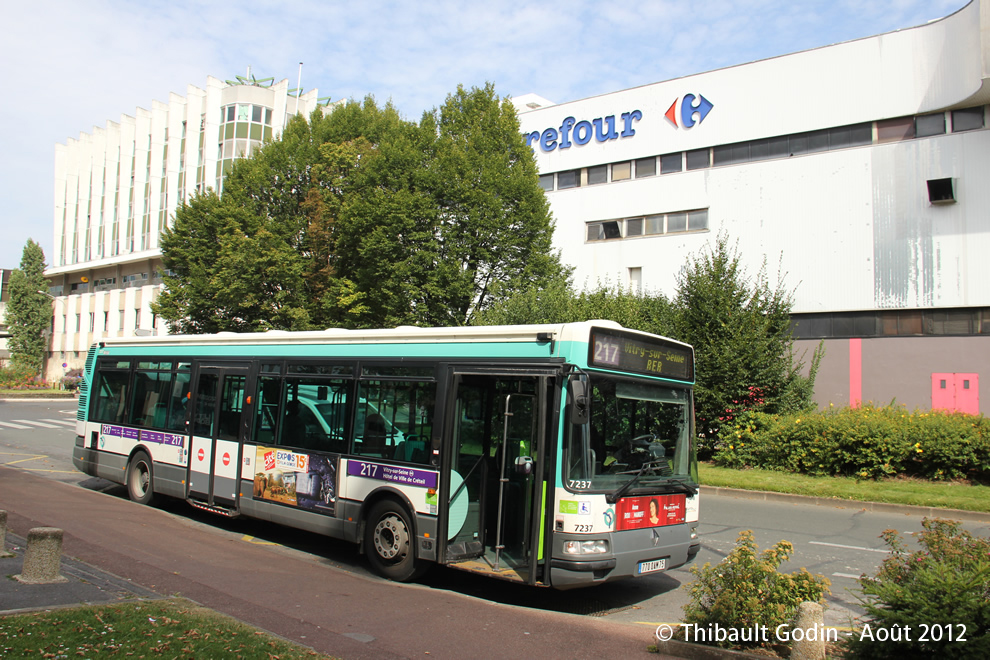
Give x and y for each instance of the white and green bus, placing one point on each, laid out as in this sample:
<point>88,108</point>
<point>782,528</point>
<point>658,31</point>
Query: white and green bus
<point>556,455</point>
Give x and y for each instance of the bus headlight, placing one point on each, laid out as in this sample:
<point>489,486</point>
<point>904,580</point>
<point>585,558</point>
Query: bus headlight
<point>597,547</point>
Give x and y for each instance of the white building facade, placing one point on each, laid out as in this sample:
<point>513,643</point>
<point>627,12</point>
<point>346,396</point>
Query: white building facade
<point>117,188</point>
<point>859,171</point>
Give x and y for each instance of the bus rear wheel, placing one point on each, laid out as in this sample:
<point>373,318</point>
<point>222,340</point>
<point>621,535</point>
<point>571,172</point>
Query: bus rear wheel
<point>390,542</point>
<point>140,481</point>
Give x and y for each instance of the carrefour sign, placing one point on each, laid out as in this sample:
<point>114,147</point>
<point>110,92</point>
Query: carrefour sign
<point>689,109</point>
<point>572,131</point>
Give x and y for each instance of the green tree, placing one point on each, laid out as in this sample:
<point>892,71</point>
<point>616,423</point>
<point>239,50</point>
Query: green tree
<point>739,327</point>
<point>740,330</point>
<point>358,218</point>
<point>29,311</point>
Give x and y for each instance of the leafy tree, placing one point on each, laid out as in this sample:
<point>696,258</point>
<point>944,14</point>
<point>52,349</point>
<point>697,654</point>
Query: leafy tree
<point>740,329</point>
<point>358,218</point>
<point>494,223</point>
<point>29,312</point>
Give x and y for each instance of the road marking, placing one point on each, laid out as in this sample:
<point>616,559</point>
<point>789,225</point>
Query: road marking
<point>63,422</point>
<point>31,457</point>
<point>34,423</point>
<point>251,539</point>
<point>848,547</point>
<point>14,426</point>
<point>846,575</point>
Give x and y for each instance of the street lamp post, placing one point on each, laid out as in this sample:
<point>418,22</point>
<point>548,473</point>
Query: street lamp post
<point>50,333</point>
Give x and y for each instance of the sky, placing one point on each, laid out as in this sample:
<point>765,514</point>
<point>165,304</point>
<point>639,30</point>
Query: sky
<point>67,66</point>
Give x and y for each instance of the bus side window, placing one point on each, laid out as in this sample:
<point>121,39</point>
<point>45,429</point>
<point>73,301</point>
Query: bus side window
<point>111,400</point>
<point>265,421</point>
<point>395,420</point>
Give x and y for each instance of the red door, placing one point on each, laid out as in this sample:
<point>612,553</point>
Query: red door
<point>956,392</point>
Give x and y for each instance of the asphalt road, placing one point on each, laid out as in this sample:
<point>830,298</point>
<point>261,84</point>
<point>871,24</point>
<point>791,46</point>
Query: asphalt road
<point>839,543</point>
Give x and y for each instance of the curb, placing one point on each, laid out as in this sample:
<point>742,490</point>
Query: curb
<point>687,651</point>
<point>835,503</point>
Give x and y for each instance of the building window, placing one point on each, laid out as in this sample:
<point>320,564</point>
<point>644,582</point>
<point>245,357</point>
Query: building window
<point>546,182</point>
<point>671,163</point>
<point>699,159</point>
<point>654,224</point>
<point>940,191</point>
<point>597,174</point>
<point>651,225</point>
<point>926,125</point>
<point>621,171</point>
<point>895,130</point>
<point>697,220</point>
<point>676,222</point>
<point>569,179</point>
<point>604,231</point>
<point>646,167</point>
<point>636,279</point>
<point>967,119</point>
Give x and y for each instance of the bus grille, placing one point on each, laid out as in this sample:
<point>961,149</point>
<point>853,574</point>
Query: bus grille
<point>84,384</point>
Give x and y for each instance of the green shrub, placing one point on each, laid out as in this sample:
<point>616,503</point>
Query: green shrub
<point>745,590</point>
<point>20,377</point>
<point>928,598</point>
<point>867,443</point>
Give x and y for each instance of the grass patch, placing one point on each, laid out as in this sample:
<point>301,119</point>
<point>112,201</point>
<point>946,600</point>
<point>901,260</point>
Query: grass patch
<point>948,495</point>
<point>168,628</point>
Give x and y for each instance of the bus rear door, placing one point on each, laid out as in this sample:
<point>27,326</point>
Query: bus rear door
<point>220,420</point>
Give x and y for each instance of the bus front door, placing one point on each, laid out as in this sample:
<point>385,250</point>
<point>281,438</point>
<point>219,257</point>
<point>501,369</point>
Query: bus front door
<point>218,420</point>
<point>494,474</point>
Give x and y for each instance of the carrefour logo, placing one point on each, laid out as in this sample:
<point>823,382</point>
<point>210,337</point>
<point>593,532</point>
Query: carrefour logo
<point>687,107</point>
<point>572,131</point>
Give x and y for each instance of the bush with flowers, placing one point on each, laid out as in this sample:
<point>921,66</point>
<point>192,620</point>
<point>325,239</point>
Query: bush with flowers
<point>868,442</point>
<point>19,377</point>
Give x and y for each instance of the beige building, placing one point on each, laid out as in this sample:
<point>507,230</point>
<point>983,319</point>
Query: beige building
<point>117,188</point>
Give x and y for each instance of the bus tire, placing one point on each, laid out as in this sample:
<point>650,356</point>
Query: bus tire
<point>140,480</point>
<point>390,542</point>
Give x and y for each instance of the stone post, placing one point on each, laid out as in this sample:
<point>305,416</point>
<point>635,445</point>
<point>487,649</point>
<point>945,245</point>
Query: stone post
<point>3,535</point>
<point>42,557</point>
<point>811,624</point>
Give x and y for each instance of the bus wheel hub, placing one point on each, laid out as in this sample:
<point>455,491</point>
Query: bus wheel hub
<point>391,537</point>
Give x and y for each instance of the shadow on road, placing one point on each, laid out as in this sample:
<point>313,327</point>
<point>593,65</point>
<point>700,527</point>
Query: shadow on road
<point>600,600</point>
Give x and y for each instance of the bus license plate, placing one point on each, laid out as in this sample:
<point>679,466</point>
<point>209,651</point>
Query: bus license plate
<point>650,566</point>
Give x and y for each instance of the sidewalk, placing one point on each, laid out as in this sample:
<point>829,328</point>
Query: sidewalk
<point>294,595</point>
<point>85,585</point>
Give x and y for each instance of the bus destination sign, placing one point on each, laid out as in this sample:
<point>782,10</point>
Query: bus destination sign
<point>611,349</point>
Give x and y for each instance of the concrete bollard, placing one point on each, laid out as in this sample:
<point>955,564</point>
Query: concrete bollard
<point>42,557</point>
<point>3,535</point>
<point>811,621</point>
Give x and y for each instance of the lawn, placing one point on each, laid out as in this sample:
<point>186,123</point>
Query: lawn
<point>140,629</point>
<point>949,495</point>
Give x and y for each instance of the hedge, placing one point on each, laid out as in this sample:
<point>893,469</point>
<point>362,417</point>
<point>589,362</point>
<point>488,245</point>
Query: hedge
<point>868,442</point>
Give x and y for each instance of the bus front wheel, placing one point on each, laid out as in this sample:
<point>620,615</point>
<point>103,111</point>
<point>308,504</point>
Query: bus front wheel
<point>140,483</point>
<point>390,543</point>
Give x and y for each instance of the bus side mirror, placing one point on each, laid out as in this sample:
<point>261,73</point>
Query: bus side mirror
<point>579,401</point>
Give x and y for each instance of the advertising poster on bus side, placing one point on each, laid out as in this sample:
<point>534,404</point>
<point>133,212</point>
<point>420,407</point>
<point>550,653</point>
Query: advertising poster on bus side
<point>308,481</point>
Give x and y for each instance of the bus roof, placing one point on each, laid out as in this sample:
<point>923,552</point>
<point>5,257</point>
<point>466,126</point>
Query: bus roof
<point>559,332</point>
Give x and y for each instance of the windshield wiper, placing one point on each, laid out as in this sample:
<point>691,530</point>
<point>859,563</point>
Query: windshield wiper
<point>614,496</point>
<point>677,486</point>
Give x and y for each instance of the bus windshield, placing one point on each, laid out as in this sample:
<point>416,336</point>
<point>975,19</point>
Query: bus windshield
<point>636,431</point>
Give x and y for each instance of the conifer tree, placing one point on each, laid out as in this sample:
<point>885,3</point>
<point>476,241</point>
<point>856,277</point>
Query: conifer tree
<point>29,310</point>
